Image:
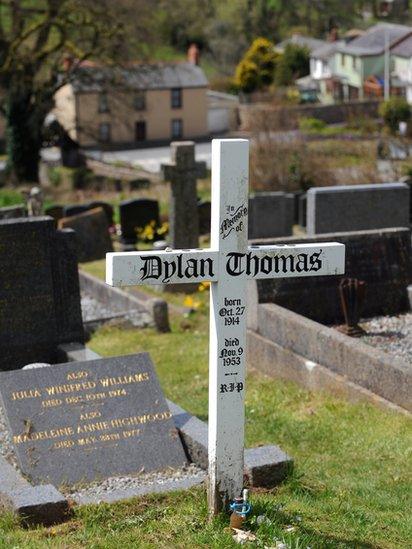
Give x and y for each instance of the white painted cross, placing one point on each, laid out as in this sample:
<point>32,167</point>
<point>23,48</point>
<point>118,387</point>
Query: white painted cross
<point>227,265</point>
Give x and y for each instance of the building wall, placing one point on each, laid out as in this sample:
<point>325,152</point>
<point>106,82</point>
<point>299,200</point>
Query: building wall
<point>65,109</point>
<point>403,68</point>
<point>356,69</point>
<point>158,115</point>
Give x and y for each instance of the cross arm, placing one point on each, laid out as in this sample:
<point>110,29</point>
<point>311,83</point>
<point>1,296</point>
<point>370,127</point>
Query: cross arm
<point>166,267</point>
<point>282,261</point>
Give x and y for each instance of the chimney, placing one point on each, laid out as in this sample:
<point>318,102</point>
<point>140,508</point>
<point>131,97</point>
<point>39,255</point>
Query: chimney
<point>67,62</point>
<point>193,54</point>
<point>333,34</point>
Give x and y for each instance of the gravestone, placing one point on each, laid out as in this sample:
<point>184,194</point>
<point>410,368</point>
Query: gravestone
<point>86,421</point>
<point>39,291</point>
<point>182,173</point>
<point>107,208</point>
<point>302,210</point>
<point>227,264</point>
<point>76,209</point>
<point>92,234</point>
<point>382,259</point>
<point>270,215</point>
<point>135,215</point>
<point>13,212</point>
<point>204,213</point>
<point>56,212</point>
<point>357,207</point>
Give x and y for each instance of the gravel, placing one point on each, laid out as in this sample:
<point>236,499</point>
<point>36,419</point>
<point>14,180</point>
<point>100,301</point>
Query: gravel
<point>392,334</point>
<point>126,483</point>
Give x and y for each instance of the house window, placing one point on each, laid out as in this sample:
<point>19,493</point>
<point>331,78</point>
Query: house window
<point>177,128</point>
<point>103,102</point>
<point>354,63</point>
<point>139,101</point>
<point>343,59</point>
<point>176,98</point>
<point>104,132</point>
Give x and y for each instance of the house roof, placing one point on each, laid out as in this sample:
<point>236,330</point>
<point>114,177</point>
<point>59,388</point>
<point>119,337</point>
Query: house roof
<point>404,48</point>
<point>300,40</point>
<point>326,50</point>
<point>139,77</point>
<point>373,41</point>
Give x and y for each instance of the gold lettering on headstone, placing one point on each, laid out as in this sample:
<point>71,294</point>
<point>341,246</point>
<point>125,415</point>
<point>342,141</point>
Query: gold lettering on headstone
<point>124,380</point>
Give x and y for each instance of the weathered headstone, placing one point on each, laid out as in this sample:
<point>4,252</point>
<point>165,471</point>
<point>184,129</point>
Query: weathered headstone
<point>204,212</point>
<point>182,173</point>
<point>381,259</point>
<point>227,265</point>
<point>92,234</point>
<point>357,208</point>
<point>39,291</point>
<point>135,215</point>
<point>13,212</point>
<point>85,421</point>
<point>270,215</point>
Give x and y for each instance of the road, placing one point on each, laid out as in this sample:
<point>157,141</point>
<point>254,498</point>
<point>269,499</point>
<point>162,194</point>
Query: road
<point>151,159</point>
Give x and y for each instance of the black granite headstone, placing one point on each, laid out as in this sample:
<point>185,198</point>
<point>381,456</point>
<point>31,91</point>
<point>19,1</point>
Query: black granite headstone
<point>76,209</point>
<point>86,421</point>
<point>92,234</point>
<point>137,214</point>
<point>382,259</point>
<point>39,291</point>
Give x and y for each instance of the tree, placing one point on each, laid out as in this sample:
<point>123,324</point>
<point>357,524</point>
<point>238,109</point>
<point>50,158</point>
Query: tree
<point>393,111</point>
<point>293,63</point>
<point>34,38</point>
<point>257,68</point>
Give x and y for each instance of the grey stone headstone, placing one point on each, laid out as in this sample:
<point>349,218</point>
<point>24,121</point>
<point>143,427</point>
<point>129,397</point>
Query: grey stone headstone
<point>86,421</point>
<point>137,214</point>
<point>92,234</point>
<point>271,215</point>
<point>182,173</point>
<point>382,259</point>
<point>357,208</point>
<point>39,291</point>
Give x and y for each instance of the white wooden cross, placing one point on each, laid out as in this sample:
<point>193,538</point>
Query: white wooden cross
<point>227,264</point>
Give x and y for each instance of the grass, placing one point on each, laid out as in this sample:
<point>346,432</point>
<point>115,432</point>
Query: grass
<point>350,487</point>
<point>10,197</point>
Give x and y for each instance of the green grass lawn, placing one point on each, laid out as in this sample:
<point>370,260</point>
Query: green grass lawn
<point>350,487</point>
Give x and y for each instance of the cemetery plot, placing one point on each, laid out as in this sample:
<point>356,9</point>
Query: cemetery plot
<point>88,421</point>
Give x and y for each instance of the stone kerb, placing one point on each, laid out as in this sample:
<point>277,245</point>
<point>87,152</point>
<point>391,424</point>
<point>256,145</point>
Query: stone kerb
<point>157,308</point>
<point>359,363</point>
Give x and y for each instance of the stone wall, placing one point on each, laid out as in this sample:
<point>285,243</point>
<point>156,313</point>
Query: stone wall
<point>262,116</point>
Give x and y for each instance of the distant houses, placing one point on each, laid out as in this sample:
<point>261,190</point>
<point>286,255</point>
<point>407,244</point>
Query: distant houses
<point>150,103</point>
<point>354,68</point>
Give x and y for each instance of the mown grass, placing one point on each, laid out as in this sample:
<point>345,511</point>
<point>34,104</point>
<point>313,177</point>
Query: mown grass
<point>350,487</point>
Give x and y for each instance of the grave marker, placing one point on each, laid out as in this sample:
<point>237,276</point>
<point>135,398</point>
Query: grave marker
<point>227,264</point>
<point>86,421</point>
<point>92,234</point>
<point>182,172</point>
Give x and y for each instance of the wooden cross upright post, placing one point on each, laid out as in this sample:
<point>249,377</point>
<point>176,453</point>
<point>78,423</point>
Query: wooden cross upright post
<point>227,265</point>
